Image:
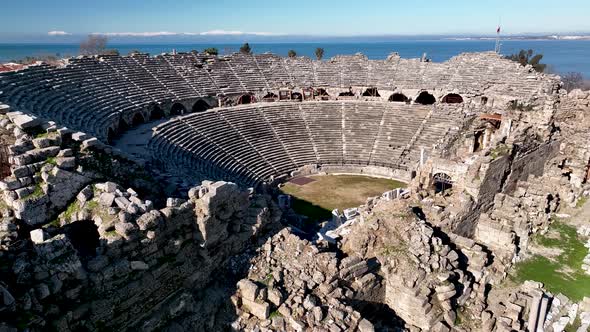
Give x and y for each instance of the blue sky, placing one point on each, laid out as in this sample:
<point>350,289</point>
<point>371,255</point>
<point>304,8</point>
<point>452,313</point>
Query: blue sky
<point>298,17</point>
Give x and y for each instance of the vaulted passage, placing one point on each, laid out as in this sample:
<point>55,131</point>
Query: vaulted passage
<point>296,96</point>
<point>371,92</point>
<point>452,98</point>
<point>110,135</point>
<point>83,235</point>
<point>398,98</point>
<point>177,109</point>
<point>346,94</point>
<point>246,99</point>
<point>200,106</point>
<point>321,92</point>
<point>425,98</point>
<point>442,182</point>
<point>123,126</point>
<point>270,97</point>
<point>137,119</point>
<point>157,113</point>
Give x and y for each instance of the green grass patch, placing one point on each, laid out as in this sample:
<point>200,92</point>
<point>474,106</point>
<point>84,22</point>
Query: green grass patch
<point>274,314</point>
<point>317,199</point>
<point>37,192</point>
<point>51,161</point>
<point>72,208</point>
<point>561,274</point>
<point>581,201</point>
<point>499,151</point>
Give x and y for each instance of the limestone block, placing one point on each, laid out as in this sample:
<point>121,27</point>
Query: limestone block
<point>107,199</point>
<point>85,195</point>
<point>66,153</point>
<point>67,163</point>
<point>122,202</point>
<point>110,187</point>
<point>248,289</point>
<point>79,136</point>
<point>138,265</point>
<point>365,326</point>
<point>126,229</point>
<point>150,220</point>
<point>41,143</point>
<point>98,263</point>
<point>260,310</point>
<point>23,121</point>
<point>38,236</point>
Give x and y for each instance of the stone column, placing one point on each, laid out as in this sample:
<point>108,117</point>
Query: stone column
<point>422,156</point>
<point>542,314</point>
<point>534,312</point>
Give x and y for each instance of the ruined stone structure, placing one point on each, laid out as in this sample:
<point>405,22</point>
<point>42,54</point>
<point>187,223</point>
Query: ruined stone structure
<point>491,151</point>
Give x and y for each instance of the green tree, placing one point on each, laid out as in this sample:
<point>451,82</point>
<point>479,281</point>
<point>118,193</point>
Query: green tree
<point>93,44</point>
<point>319,53</point>
<point>246,49</point>
<point>211,51</point>
<point>529,58</point>
<point>572,80</point>
<point>292,53</point>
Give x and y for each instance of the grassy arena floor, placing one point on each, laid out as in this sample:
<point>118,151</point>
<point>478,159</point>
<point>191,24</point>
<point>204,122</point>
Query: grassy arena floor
<point>317,199</point>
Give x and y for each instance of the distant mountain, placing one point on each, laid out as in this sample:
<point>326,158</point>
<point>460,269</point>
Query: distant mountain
<point>231,37</point>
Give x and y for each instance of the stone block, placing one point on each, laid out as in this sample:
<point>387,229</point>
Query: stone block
<point>139,266</point>
<point>38,236</point>
<point>122,202</point>
<point>150,220</point>
<point>85,195</point>
<point>259,309</point>
<point>248,289</point>
<point>68,163</point>
<point>107,199</point>
<point>126,229</point>
<point>365,326</point>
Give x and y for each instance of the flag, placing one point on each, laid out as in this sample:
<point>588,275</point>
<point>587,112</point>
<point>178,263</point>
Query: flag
<point>498,31</point>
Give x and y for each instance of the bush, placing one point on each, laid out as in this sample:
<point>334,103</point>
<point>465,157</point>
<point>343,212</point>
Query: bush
<point>572,80</point>
<point>528,58</point>
<point>292,53</point>
<point>319,53</point>
<point>211,51</point>
<point>246,49</point>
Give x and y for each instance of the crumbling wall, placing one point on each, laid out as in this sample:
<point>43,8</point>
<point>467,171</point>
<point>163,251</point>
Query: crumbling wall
<point>142,258</point>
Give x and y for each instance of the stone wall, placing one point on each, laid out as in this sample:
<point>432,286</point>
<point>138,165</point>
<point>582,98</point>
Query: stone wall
<point>141,259</point>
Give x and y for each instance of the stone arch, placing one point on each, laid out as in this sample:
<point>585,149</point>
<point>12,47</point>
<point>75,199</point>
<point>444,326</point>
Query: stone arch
<point>425,98</point>
<point>137,119</point>
<point>297,96</point>
<point>452,98</point>
<point>83,234</point>
<point>157,113</point>
<point>321,92</point>
<point>398,98</point>
<point>442,182</point>
<point>200,106</point>
<point>371,92</point>
<point>270,97</point>
<point>123,126</point>
<point>177,109</point>
<point>246,99</point>
<point>110,135</point>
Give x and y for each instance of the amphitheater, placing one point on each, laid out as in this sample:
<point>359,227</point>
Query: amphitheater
<point>491,151</point>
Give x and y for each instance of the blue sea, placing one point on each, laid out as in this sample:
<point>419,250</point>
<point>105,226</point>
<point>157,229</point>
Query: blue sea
<point>561,55</point>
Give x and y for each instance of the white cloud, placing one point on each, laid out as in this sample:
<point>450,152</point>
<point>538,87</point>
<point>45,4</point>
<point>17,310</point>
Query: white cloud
<point>58,33</point>
<point>167,33</point>
<point>136,34</point>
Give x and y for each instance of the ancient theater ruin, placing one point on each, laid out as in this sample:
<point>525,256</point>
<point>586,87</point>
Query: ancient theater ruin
<point>143,193</point>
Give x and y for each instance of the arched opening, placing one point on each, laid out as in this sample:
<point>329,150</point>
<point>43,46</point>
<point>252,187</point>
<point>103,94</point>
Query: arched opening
<point>425,98</point>
<point>83,234</point>
<point>452,98</point>
<point>371,92</point>
<point>137,119</point>
<point>297,96</point>
<point>270,97</point>
<point>398,98</point>
<point>110,135</point>
<point>484,100</point>
<point>157,113</point>
<point>123,126</point>
<point>200,106</point>
<point>320,93</point>
<point>348,93</point>
<point>177,109</point>
<point>442,182</point>
<point>246,99</point>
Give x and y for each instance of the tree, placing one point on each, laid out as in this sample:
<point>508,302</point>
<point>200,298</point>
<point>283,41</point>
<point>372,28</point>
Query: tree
<point>572,80</point>
<point>211,51</point>
<point>94,44</point>
<point>292,53</point>
<point>527,58</point>
<point>319,53</point>
<point>246,49</point>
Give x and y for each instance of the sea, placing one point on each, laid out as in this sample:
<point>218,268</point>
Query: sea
<point>562,56</point>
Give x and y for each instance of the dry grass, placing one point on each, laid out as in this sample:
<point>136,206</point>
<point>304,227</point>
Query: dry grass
<point>317,199</point>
